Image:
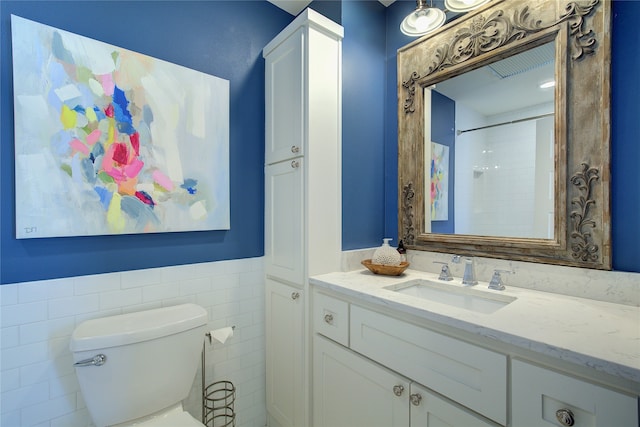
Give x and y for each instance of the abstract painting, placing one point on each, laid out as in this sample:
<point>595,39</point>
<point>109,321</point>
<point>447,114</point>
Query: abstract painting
<point>110,141</point>
<point>439,182</point>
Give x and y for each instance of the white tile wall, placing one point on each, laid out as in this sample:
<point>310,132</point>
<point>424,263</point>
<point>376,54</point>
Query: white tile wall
<point>38,382</point>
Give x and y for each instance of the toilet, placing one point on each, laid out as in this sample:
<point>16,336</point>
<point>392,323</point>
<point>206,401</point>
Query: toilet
<point>137,368</point>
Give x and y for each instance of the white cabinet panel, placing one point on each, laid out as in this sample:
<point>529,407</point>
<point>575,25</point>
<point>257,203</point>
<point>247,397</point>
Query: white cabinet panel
<point>285,353</point>
<point>471,375</point>
<point>284,93</point>
<point>351,391</point>
<point>430,410</point>
<point>284,242</point>
<point>302,197</point>
<point>538,394</point>
<point>331,318</point>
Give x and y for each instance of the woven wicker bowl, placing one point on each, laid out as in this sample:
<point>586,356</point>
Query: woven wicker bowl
<point>387,270</point>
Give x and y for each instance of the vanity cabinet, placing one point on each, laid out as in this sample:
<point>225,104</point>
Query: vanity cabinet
<point>303,90</point>
<point>473,376</point>
<point>371,372</point>
<point>363,354</point>
<point>542,397</point>
<point>350,390</point>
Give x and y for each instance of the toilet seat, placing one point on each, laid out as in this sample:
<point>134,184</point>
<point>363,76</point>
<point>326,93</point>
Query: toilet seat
<point>173,418</point>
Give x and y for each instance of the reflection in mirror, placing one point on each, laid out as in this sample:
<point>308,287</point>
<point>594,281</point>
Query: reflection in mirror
<point>489,138</point>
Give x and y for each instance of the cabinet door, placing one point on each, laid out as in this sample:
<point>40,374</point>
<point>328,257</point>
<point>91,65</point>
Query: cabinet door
<point>430,410</point>
<point>473,376</point>
<point>284,240</point>
<point>284,353</point>
<point>351,391</point>
<point>285,103</point>
<point>540,396</point>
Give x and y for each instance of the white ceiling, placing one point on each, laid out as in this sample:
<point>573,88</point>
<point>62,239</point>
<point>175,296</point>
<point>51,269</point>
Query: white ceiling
<point>294,7</point>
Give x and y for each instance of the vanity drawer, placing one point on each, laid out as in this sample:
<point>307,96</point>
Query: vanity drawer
<point>540,396</point>
<point>331,318</point>
<point>470,375</point>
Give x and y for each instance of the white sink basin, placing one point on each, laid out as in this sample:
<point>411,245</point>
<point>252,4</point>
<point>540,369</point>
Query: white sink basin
<point>465,298</point>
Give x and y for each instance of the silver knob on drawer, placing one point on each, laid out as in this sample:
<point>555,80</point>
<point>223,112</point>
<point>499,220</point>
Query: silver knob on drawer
<point>295,295</point>
<point>565,416</point>
<point>328,318</point>
<point>295,164</point>
<point>295,149</point>
<point>415,399</point>
<point>398,389</point>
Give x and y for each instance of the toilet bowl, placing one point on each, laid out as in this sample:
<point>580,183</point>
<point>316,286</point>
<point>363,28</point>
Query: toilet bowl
<point>137,368</point>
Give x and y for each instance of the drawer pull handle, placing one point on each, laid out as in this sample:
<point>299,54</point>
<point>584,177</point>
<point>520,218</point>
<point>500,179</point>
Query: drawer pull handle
<point>295,295</point>
<point>295,164</point>
<point>398,389</point>
<point>328,318</point>
<point>295,149</point>
<point>565,416</point>
<point>415,399</point>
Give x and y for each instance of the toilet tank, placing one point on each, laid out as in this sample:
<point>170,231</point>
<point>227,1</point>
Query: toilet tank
<point>151,361</point>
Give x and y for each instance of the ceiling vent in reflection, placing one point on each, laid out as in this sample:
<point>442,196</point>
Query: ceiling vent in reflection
<point>528,60</point>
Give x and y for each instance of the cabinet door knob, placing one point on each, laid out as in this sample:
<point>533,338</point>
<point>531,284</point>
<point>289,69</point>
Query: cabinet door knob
<point>295,164</point>
<point>415,399</point>
<point>328,318</point>
<point>295,295</point>
<point>565,416</point>
<point>295,149</point>
<point>398,389</point>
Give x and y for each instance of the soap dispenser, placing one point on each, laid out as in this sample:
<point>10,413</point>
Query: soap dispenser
<point>386,255</point>
<point>402,251</point>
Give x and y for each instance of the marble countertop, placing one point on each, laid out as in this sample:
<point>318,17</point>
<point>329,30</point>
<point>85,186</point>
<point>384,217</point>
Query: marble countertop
<point>600,335</point>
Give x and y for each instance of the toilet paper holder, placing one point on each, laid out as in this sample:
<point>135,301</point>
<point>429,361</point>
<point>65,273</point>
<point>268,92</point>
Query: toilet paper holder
<point>210,336</point>
<point>218,398</point>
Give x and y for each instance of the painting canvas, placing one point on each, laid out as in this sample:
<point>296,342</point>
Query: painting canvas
<point>110,141</point>
<point>439,182</point>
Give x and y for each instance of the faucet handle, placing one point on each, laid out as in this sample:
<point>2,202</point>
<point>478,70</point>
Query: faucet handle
<point>496,280</point>
<point>445,273</point>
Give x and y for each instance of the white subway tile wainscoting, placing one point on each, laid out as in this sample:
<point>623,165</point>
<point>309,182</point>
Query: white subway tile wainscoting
<point>39,385</point>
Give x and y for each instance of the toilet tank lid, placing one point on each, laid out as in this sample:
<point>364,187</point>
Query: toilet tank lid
<point>136,327</point>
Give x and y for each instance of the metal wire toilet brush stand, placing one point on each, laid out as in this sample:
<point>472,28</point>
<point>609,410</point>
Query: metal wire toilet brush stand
<point>218,400</point>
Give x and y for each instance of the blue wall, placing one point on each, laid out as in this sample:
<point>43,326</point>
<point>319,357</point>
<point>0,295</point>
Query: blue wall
<point>625,131</point>
<point>363,119</point>
<point>205,36</point>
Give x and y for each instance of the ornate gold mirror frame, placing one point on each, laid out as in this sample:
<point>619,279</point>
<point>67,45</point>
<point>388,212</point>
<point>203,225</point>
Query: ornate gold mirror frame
<point>581,31</point>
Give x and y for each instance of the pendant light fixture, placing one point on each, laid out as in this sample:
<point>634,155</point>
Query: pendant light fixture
<point>423,20</point>
<point>463,5</point>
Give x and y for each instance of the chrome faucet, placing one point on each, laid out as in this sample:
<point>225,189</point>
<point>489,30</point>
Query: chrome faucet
<point>496,280</point>
<point>445,273</point>
<point>469,277</point>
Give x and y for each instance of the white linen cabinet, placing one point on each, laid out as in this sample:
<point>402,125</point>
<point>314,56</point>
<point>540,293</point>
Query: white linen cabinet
<point>303,103</point>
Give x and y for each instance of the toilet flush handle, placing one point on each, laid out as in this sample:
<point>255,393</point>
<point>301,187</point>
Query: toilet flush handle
<point>97,360</point>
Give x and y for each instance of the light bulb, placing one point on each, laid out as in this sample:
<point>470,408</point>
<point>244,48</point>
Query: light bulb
<point>422,21</point>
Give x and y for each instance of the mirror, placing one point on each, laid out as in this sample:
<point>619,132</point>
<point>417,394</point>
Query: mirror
<point>487,169</point>
<point>489,149</point>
